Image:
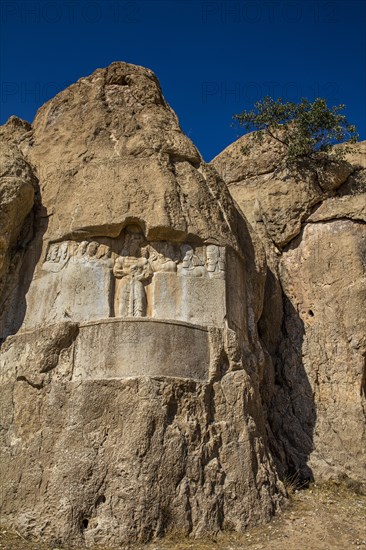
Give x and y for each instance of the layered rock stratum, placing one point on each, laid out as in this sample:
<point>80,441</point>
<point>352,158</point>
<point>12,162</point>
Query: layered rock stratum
<point>177,338</point>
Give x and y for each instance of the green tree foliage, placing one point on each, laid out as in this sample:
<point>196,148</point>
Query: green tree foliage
<point>306,129</point>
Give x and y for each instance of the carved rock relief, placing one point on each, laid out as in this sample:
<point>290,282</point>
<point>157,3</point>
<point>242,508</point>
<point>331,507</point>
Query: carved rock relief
<point>85,280</point>
<point>75,283</point>
<point>177,259</point>
<point>134,271</point>
<point>59,254</point>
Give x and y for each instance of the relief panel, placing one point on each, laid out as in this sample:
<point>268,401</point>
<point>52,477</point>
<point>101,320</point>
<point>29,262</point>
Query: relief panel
<point>88,280</point>
<point>75,284</point>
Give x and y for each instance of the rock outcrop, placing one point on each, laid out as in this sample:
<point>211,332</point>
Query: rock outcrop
<point>131,364</point>
<point>18,187</point>
<point>165,364</point>
<point>311,221</point>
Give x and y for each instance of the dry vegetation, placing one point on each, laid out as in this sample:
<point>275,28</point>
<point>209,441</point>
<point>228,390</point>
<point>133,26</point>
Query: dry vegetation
<point>327,517</point>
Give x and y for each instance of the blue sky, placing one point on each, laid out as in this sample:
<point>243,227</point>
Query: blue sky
<point>213,58</point>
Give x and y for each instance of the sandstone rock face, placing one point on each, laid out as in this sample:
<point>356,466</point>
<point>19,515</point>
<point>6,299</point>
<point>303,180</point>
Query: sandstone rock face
<point>312,224</point>
<point>131,364</point>
<point>110,150</point>
<point>323,272</point>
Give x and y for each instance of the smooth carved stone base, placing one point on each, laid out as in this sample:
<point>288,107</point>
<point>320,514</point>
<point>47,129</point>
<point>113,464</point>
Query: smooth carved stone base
<point>120,348</point>
<point>196,300</point>
<point>112,349</point>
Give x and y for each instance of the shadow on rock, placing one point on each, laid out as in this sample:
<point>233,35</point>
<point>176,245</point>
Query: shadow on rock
<point>290,404</point>
<point>24,262</point>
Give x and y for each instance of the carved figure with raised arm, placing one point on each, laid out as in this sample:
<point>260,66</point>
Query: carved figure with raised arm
<point>133,271</point>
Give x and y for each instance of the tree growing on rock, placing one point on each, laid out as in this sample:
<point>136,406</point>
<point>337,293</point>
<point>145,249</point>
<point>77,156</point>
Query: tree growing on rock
<point>306,129</point>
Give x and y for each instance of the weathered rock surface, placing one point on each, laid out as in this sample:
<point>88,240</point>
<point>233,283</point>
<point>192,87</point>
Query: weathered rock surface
<point>163,363</point>
<point>109,149</point>
<point>323,273</point>
<point>17,195</point>
<point>352,207</point>
<point>311,223</point>
<point>280,197</point>
<point>131,364</point>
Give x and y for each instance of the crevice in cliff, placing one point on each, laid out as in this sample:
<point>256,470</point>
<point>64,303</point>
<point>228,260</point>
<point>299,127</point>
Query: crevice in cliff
<point>37,386</point>
<point>351,186</point>
<point>241,180</point>
<point>182,197</point>
<point>363,380</point>
<point>333,219</point>
<point>291,411</point>
<point>175,157</point>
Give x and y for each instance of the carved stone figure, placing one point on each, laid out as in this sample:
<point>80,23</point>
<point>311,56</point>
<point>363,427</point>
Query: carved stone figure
<point>72,249</point>
<point>53,253</point>
<point>103,252</point>
<point>64,251</point>
<point>159,263</point>
<point>133,270</point>
<point>57,257</point>
<point>92,249</point>
<point>104,255</point>
<point>215,262</point>
<point>192,265</point>
<point>82,249</point>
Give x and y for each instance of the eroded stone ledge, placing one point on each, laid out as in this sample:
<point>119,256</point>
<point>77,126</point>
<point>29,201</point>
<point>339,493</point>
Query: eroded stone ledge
<point>112,348</point>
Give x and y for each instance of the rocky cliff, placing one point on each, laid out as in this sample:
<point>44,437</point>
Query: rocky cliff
<point>130,364</point>
<point>311,221</point>
<point>177,338</point>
